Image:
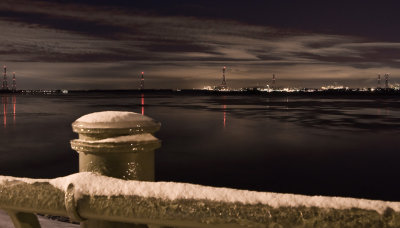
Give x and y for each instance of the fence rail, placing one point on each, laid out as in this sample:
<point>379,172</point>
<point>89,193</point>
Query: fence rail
<point>77,200</point>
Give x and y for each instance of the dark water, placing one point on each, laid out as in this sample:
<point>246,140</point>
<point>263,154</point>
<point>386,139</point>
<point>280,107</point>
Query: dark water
<point>332,146</point>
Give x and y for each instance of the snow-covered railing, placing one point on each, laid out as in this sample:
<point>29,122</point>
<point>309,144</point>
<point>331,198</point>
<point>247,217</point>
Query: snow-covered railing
<point>114,189</point>
<point>88,196</point>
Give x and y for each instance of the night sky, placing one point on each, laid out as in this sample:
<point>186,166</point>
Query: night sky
<point>184,44</point>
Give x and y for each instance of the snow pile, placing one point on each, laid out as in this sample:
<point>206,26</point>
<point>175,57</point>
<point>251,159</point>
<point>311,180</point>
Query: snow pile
<point>123,139</point>
<point>93,184</point>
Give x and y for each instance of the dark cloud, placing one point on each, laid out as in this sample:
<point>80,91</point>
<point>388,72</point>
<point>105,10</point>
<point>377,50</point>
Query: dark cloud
<point>177,46</point>
<point>366,55</point>
<point>66,23</point>
<point>184,42</point>
<point>361,18</point>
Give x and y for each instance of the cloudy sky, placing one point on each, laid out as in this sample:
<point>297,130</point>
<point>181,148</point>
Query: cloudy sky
<point>101,44</point>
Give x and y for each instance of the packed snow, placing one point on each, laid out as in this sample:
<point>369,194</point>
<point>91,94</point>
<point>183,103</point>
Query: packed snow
<point>87,183</point>
<point>122,139</point>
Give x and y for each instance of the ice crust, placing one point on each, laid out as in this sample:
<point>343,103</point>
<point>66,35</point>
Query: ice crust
<point>87,183</point>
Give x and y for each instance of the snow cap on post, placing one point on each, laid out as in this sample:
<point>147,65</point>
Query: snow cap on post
<point>106,124</point>
<point>116,144</point>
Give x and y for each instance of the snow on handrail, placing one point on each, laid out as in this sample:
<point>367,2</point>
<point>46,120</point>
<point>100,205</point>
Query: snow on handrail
<point>188,205</point>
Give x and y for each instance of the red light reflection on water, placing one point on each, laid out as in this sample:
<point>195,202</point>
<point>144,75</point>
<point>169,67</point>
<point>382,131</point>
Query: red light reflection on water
<point>224,108</point>
<point>4,101</point>
<point>142,103</point>
<point>14,101</point>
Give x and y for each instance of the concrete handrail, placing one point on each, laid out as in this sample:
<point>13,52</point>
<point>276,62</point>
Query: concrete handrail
<point>71,196</point>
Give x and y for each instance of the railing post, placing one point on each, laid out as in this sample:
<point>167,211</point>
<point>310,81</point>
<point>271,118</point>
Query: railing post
<point>24,220</point>
<point>116,144</point>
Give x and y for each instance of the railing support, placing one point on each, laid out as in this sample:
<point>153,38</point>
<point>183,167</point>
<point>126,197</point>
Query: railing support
<point>24,220</point>
<point>105,224</point>
<point>116,144</point>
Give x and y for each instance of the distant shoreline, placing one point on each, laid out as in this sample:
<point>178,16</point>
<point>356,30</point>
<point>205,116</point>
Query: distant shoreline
<point>327,93</point>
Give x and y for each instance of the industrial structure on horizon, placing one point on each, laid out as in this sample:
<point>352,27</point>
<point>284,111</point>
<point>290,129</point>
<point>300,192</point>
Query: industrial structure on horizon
<point>4,86</point>
<point>273,81</point>
<point>386,81</point>
<point>14,83</point>
<point>142,81</point>
<point>379,81</point>
<point>274,88</point>
<point>386,76</point>
<point>223,86</point>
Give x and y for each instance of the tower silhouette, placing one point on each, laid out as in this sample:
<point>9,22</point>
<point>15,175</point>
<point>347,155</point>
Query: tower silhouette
<point>142,81</point>
<point>223,77</point>
<point>273,81</point>
<point>5,86</point>
<point>379,81</point>
<point>386,81</point>
<point>14,83</point>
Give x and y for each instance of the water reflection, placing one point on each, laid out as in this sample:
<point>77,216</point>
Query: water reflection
<point>333,114</point>
<point>224,110</point>
<point>255,143</point>
<point>142,103</point>
<point>5,102</point>
<point>14,102</point>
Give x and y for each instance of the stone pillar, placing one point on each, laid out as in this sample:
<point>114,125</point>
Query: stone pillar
<point>116,144</point>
